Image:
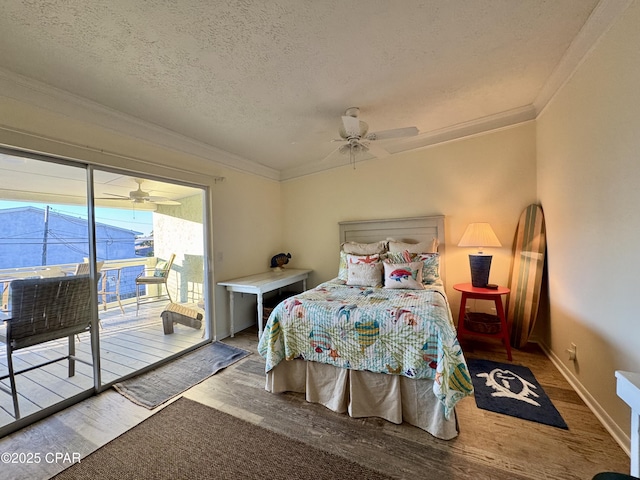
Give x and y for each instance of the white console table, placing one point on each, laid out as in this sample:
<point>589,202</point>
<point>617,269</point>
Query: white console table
<point>260,284</point>
<point>628,389</point>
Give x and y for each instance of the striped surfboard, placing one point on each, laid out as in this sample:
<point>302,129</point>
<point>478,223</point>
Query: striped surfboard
<point>525,278</point>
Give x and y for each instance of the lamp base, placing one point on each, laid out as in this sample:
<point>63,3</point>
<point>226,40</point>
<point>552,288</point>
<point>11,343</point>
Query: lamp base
<point>480,266</point>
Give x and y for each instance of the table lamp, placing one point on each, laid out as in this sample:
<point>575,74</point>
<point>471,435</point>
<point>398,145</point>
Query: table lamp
<point>479,235</point>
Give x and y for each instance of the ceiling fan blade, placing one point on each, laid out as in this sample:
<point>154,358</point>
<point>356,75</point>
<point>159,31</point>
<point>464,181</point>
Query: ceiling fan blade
<point>393,133</point>
<point>332,154</point>
<point>377,150</point>
<point>112,195</point>
<point>351,126</point>
<point>161,200</point>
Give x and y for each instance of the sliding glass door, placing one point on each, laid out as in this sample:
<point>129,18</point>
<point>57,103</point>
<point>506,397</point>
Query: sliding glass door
<point>43,239</point>
<point>137,242</point>
<point>150,253</point>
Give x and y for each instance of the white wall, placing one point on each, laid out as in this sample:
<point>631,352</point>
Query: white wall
<point>489,177</point>
<point>247,232</point>
<point>182,233</point>
<point>588,184</point>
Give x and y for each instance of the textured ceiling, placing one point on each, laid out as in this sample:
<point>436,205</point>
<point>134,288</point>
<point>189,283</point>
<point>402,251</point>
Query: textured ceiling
<point>268,81</point>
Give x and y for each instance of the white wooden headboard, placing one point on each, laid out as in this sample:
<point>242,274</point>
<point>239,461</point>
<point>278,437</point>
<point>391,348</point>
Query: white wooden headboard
<point>409,230</point>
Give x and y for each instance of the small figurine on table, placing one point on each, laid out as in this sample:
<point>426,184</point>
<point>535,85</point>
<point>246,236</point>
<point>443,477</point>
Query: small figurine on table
<point>279,260</point>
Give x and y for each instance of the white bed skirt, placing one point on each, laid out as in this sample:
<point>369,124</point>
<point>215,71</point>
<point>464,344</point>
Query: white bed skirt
<point>365,394</point>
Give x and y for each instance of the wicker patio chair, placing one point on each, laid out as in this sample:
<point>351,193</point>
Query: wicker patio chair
<point>156,276</point>
<point>45,309</point>
<point>85,267</point>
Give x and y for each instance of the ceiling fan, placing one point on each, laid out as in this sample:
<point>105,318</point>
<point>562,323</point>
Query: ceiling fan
<point>358,140</point>
<point>140,196</point>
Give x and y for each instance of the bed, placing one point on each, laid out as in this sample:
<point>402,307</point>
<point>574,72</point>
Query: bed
<point>377,340</point>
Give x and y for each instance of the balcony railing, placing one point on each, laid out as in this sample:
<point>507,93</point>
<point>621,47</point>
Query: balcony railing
<point>116,285</point>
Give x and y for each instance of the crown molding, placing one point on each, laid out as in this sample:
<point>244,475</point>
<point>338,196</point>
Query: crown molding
<point>599,22</point>
<point>59,101</point>
<point>477,126</point>
<point>454,132</point>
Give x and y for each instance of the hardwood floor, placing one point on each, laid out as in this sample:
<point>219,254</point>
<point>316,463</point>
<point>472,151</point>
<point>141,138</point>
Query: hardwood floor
<point>490,445</point>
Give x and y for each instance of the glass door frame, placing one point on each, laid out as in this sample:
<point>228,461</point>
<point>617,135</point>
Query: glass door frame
<point>209,324</point>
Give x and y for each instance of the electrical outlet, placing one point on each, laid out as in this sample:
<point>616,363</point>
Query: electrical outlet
<point>572,351</point>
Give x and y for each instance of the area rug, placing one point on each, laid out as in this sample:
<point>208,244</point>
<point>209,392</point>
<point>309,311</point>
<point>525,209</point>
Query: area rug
<point>189,440</point>
<point>512,390</point>
<point>164,383</point>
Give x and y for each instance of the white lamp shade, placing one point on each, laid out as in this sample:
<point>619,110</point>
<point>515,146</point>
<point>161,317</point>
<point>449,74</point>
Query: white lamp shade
<point>479,235</point>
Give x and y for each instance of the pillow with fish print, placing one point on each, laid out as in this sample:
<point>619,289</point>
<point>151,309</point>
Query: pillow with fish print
<point>430,261</point>
<point>364,274</point>
<point>403,275</point>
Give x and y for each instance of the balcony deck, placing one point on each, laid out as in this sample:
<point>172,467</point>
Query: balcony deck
<point>127,343</point>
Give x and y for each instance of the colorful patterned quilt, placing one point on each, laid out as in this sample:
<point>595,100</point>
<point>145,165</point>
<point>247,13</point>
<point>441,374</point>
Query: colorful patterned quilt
<point>398,332</point>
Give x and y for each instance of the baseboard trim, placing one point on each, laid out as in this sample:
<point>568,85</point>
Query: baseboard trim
<point>607,422</point>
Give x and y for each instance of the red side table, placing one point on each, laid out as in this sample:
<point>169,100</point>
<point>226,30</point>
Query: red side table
<point>471,292</point>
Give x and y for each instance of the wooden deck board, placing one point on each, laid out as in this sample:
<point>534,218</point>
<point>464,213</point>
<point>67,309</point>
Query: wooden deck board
<point>181,336</point>
<point>145,345</point>
<point>127,343</point>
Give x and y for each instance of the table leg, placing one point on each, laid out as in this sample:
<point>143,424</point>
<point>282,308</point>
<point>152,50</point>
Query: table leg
<point>231,312</point>
<point>304,284</point>
<point>259,315</point>
<point>463,307</point>
<point>503,326</point>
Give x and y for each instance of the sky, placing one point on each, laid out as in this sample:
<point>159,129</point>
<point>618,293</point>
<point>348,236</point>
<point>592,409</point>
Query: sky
<point>130,219</point>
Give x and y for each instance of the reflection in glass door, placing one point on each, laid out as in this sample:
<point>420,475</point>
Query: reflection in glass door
<point>151,291</point>
<point>46,288</point>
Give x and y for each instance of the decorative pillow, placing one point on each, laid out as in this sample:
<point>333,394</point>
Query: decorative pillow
<point>159,271</point>
<point>342,266</point>
<point>430,267</point>
<point>346,258</point>
<point>364,274</point>
<point>363,258</point>
<point>401,257</point>
<point>422,247</point>
<point>365,248</point>
<point>403,275</point>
